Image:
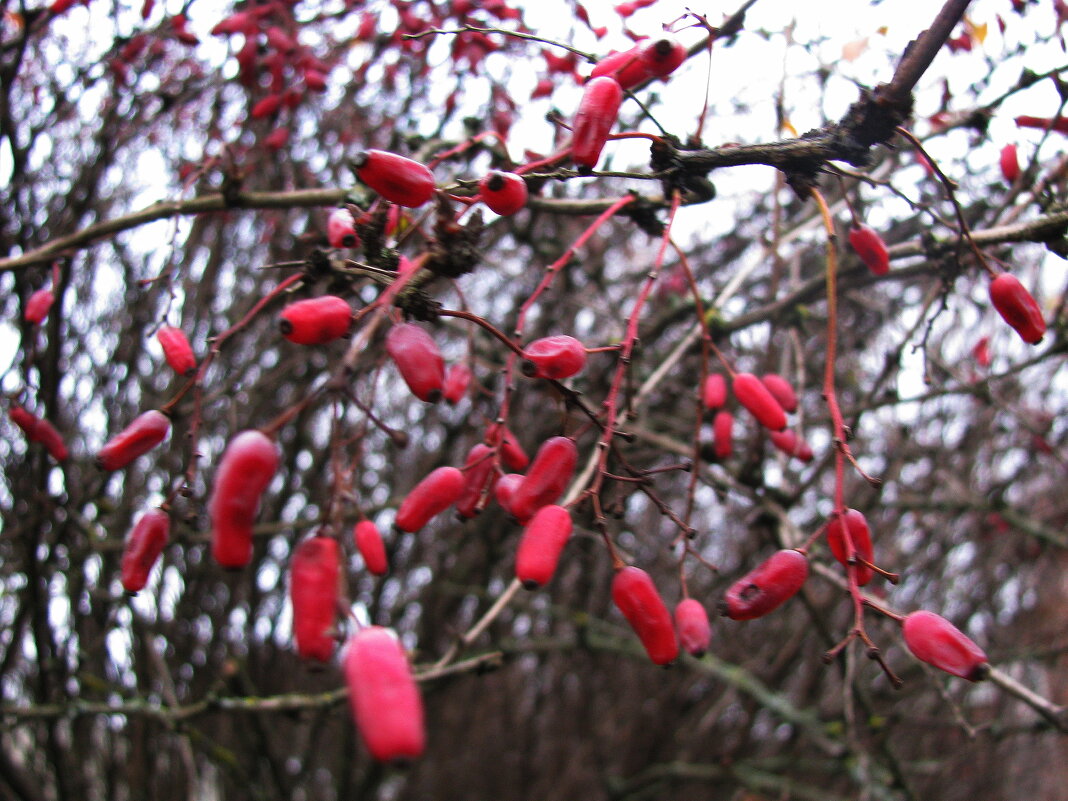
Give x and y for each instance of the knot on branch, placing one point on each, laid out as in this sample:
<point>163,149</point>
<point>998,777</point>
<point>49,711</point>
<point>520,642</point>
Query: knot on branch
<point>689,178</point>
<point>454,249</point>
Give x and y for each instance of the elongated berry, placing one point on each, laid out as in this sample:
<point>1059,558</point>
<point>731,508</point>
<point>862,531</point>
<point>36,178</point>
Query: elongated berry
<point>714,391</point>
<point>314,574</point>
<point>369,543</point>
<point>767,587</point>
<point>142,435</point>
<point>544,538</point>
<point>636,597</point>
<point>383,695</point>
<point>981,352</point>
<point>457,380</point>
<point>934,640</point>
<point>856,526</point>
<point>431,496</point>
<point>398,179</point>
<point>547,478</point>
<point>38,305</point>
<point>142,548</point>
<point>341,229</point>
<point>789,443</point>
<point>512,454</point>
<point>691,623</point>
<point>316,321</point>
<point>625,67</point>
<point>781,390</point>
<point>1018,308</point>
<point>417,357</point>
<point>480,474</point>
<point>594,120</point>
<point>504,192</point>
<point>25,420</point>
<point>554,357</point>
<point>871,249</point>
<point>723,434</point>
<point>1009,163</point>
<point>177,350</point>
<point>40,430</point>
<point>754,396</point>
<point>246,468</point>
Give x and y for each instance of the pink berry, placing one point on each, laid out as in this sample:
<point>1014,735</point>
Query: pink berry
<point>781,389</point>
<point>247,466</point>
<point>691,622</point>
<point>177,350</point>
<point>594,120</point>
<point>316,321</point>
<point>859,534</point>
<point>38,305</point>
<point>417,357</point>
<point>341,229</point>
<point>383,695</point>
<point>754,396</point>
<point>934,640</point>
<point>714,391</point>
<point>547,477</point>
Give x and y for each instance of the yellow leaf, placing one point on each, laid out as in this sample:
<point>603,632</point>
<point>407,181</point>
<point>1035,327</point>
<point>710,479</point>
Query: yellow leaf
<point>789,127</point>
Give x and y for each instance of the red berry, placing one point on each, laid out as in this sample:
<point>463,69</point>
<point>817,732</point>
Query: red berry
<point>544,538</point>
<point>859,534</point>
<point>266,107</point>
<point>594,120</point>
<point>691,622</point>
<point>981,352</point>
<point>547,477</point>
<point>780,388</point>
<point>934,640</point>
<point>512,454</point>
<point>723,434</point>
<point>457,379</point>
<point>625,67</point>
<point>316,321</point>
<point>396,178</point>
<point>276,139</point>
<point>142,435</point>
<point>369,543</point>
<point>247,466</point>
<point>635,594</point>
<point>37,306</point>
<point>661,57</point>
<point>504,490</point>
<point>142,548</point>
<point>38,430</point>
<point>771,584</point>
<point>480,474</point>
<point>1018,308</point>
<point>313,591</point>
<point>177,350</point>
<point>714,391</point>
<point>555,357</point>
<point>1010,164</point>
<point>24,420</point>
<point>754,396</point>
<point>504,192</point>
<point>45,433</point>
<point>341,229</point>
<point>383,696</point>
<point>434,494</point>
<point>789,443</point>
<point>417,357</point>
<point>871,249</point>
